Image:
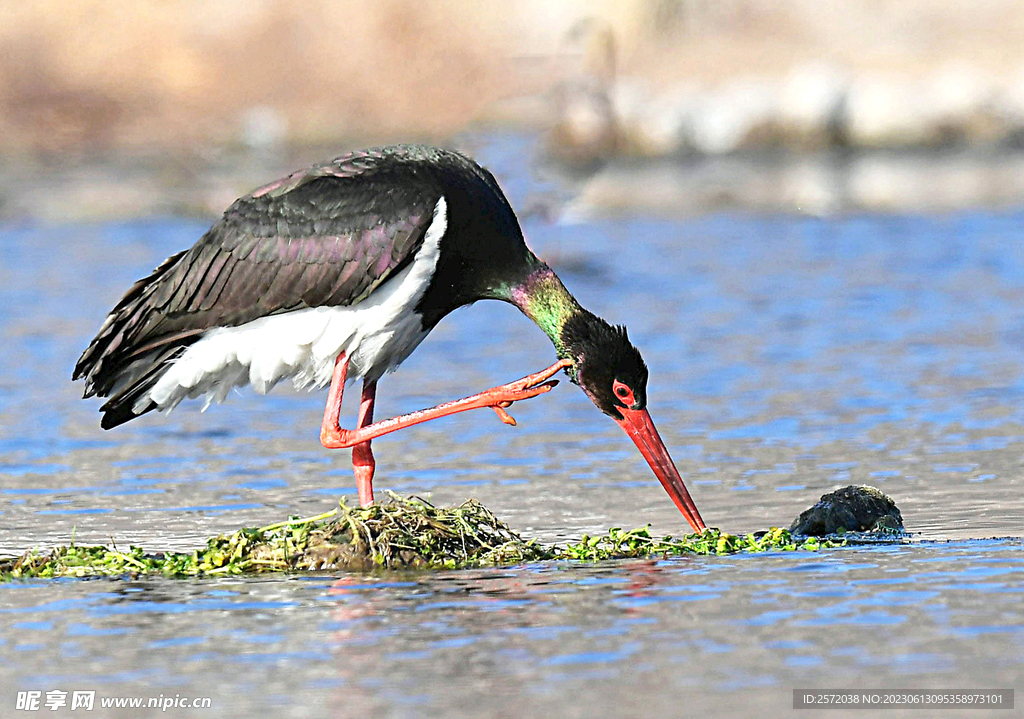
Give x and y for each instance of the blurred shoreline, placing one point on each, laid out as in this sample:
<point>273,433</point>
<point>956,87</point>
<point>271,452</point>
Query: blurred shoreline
<point>826,183</point>
<point>665,106</point>
<point>817,184</point>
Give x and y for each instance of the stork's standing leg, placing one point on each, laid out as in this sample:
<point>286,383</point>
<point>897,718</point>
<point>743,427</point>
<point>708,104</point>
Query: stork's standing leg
<point>362,456</point>
<point>332,436</point>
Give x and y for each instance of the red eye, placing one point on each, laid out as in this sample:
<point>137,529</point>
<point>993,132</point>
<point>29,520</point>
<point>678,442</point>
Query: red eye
<point>624,393</point>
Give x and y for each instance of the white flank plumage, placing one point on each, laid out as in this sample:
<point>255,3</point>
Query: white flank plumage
<point>377,335</point>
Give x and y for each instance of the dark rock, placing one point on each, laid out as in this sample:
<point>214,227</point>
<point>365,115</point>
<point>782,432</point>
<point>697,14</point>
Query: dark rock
<point>850,509</point>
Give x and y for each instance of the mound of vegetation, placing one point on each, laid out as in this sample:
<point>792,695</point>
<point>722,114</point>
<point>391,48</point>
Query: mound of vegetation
<point>395,534</point>
<point>850,509</point>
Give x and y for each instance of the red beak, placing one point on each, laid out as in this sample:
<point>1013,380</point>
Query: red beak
<point>641,429</point>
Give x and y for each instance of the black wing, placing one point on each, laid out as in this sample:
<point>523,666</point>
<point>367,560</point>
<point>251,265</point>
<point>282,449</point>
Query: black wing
<point>328,235</point>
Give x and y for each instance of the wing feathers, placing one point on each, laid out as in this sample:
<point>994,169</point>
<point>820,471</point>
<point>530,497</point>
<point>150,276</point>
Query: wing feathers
<point>328,236</point>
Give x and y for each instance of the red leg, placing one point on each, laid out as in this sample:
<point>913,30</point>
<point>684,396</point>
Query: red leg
<point>362,456</point>
<point>332,411</point>
<point>332,436</point>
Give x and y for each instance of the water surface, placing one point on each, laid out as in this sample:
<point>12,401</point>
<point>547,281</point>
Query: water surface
<point>788,356</point>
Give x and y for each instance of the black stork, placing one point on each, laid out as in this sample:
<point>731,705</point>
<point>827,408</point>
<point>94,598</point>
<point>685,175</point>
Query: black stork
<point>338,272</point>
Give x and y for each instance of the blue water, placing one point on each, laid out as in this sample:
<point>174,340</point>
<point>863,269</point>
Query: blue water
<point>788,356</point>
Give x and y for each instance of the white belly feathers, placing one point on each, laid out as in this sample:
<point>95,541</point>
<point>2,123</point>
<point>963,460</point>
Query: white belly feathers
<point>376,335</point>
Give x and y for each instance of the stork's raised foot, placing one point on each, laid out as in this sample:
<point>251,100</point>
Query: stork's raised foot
<point>500,398</point>
<point>333,436</point>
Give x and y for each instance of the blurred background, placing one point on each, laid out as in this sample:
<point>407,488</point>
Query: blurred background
<point>678,106</point>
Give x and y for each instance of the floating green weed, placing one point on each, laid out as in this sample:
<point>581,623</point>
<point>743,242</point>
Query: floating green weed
<point>398,533</point>
<point>618,543</point>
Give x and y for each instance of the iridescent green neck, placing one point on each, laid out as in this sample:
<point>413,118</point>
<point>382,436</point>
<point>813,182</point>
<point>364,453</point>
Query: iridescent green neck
<point>543,298</point>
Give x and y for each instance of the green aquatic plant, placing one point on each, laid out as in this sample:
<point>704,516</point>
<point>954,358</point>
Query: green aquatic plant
<point>398,533</point>
<point>618,543</point>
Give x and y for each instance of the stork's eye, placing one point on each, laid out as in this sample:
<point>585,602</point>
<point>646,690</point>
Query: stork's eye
<point>624,393</point>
